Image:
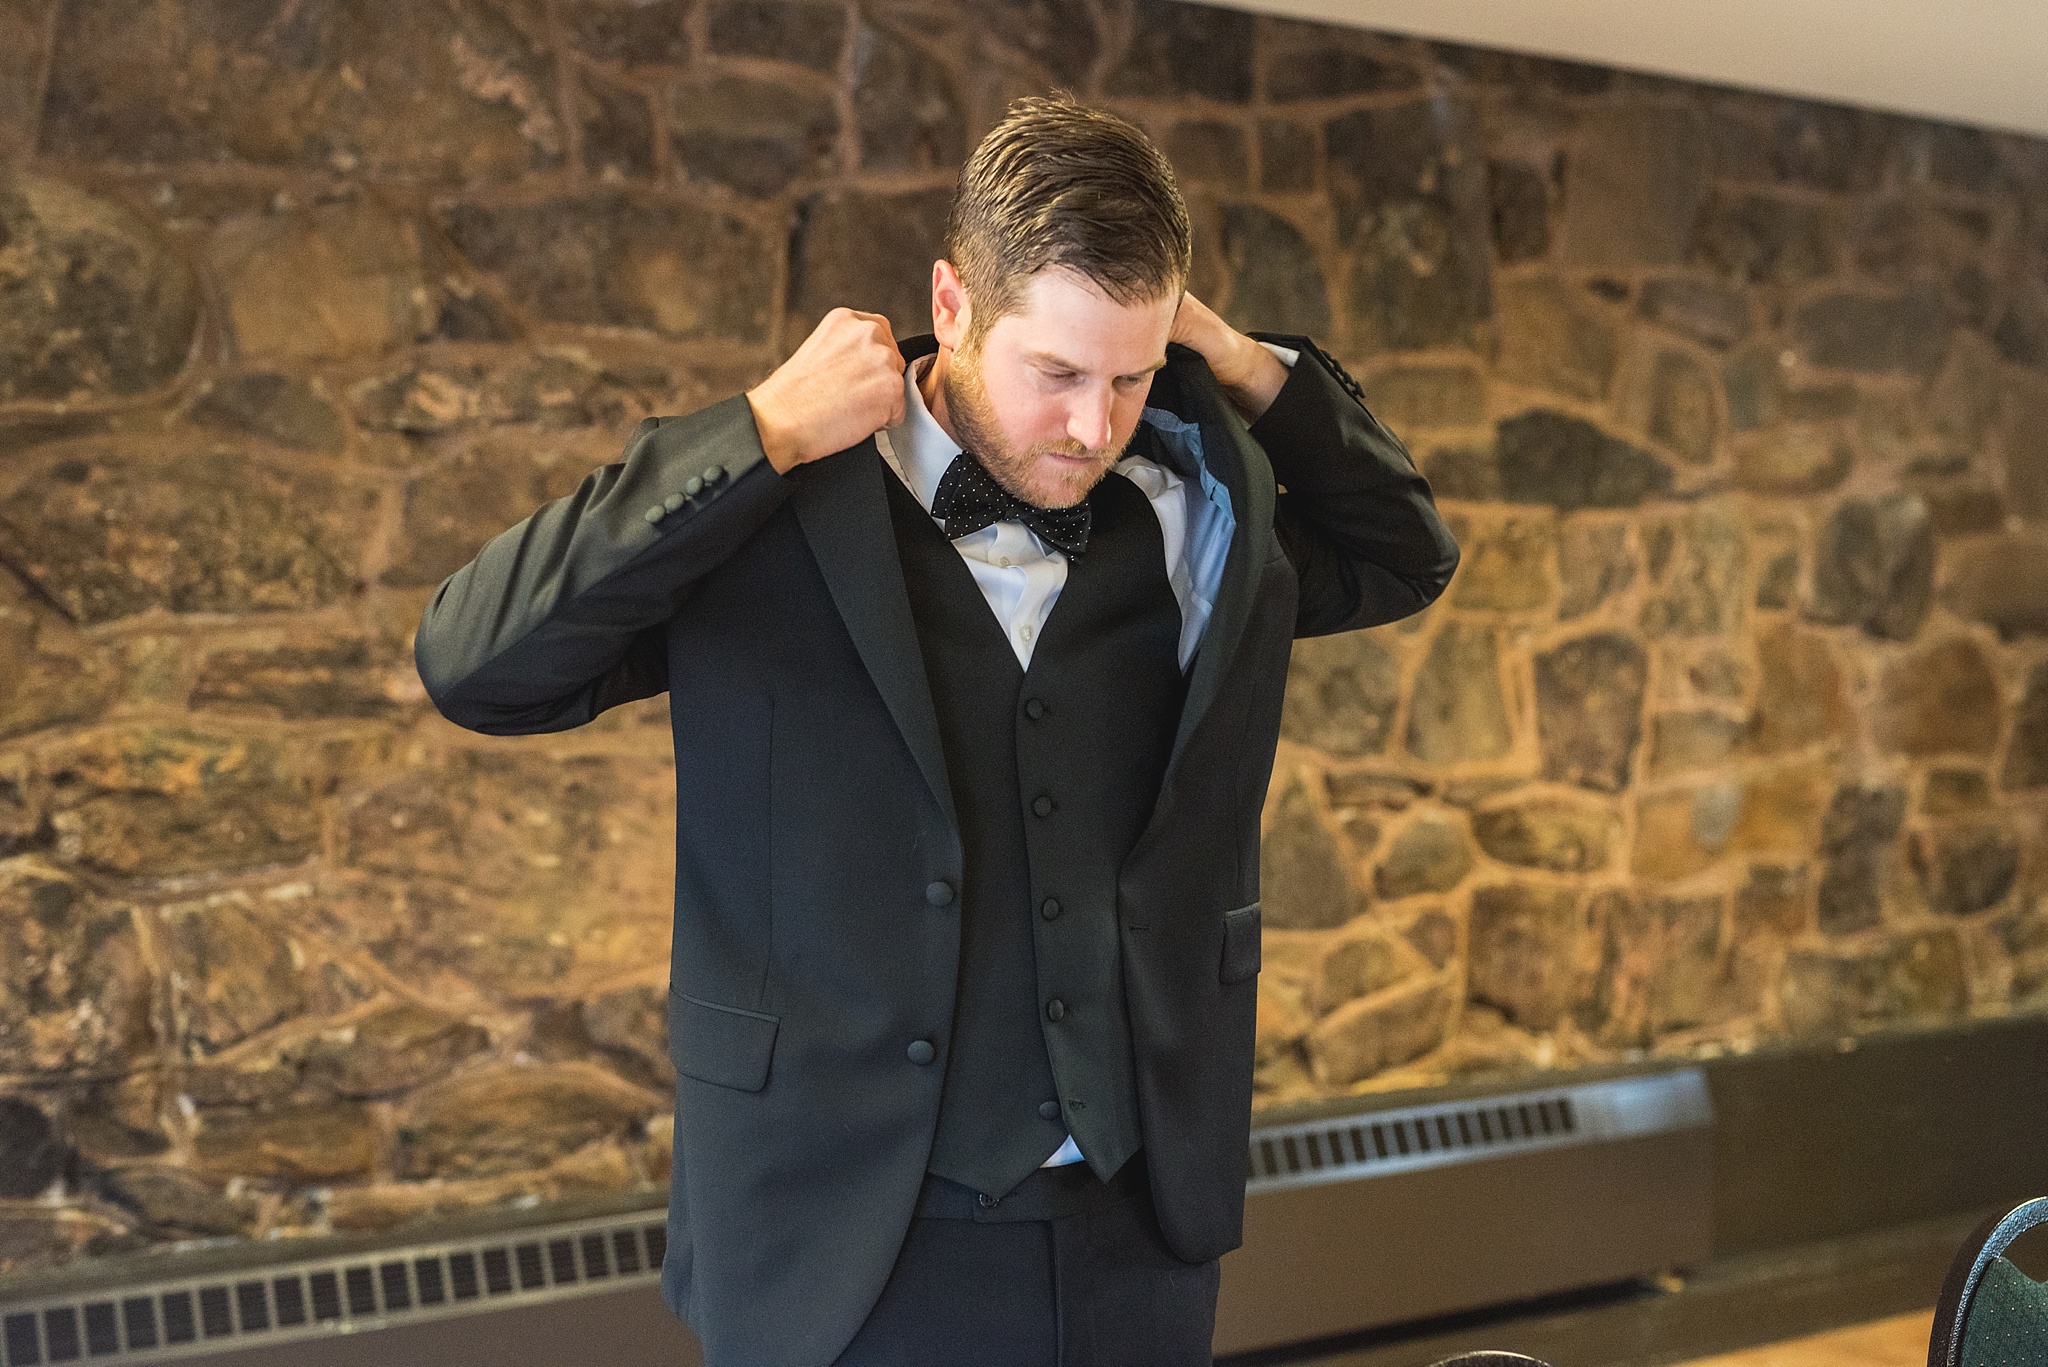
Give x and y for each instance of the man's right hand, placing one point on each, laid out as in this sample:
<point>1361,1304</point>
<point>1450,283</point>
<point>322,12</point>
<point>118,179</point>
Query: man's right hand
<point>844,384</point>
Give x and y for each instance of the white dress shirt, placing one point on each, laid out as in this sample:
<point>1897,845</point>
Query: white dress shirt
<point>1021,576</point>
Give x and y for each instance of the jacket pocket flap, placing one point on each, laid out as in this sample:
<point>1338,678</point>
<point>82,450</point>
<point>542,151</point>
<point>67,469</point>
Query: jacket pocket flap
<point>722,1045</point>
<point>1241,944</point>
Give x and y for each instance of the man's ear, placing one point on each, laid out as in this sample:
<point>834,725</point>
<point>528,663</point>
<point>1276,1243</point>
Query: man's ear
<point>951,311</point>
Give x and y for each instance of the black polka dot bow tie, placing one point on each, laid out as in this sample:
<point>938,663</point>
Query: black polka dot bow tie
<point>969,499</point>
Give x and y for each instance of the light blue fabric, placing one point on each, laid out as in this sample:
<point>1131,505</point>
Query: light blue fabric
<point>1211,519</point>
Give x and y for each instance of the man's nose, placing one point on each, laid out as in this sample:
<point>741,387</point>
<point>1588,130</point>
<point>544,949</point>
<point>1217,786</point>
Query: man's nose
<point>1089,420</point>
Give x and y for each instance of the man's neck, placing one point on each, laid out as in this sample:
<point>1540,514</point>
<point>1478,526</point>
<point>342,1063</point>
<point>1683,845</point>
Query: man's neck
<point>931,386</point>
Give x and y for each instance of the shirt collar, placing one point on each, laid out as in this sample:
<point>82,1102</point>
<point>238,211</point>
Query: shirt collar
<point>918,448</point>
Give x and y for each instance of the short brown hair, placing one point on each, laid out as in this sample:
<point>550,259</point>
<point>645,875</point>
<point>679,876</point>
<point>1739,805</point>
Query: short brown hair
<point>1056,183</point>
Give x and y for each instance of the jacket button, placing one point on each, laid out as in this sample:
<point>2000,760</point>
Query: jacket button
<point>1033,708</point>
<point>1048,1110</point>
<point>939,893</point>
<point>1055,1010</point>
<point>1050,908</point>
<point>920,1051</point>
<point>1042,805</point>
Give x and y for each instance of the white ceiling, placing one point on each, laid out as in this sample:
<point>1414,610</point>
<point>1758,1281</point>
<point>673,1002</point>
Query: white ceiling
<point>1981,62</point>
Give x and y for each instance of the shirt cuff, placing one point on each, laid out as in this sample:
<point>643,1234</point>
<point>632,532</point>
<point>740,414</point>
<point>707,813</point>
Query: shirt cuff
<point>1287,356</point>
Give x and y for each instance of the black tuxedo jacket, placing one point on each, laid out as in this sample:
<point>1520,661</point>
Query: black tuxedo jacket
<point>813,975</point>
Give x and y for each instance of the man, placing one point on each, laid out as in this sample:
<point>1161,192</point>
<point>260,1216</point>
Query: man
<point>970,751</point>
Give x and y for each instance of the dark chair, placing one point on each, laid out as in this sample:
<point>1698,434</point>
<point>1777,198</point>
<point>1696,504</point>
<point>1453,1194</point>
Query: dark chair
<point>1989,1310</point>
<point>1491,1359</point>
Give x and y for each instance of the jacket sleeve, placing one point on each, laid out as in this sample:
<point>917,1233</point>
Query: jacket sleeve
<point>562,616</point>
<point>1354,515</point>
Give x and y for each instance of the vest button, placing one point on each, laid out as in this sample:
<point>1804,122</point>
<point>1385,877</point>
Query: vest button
<point>1055,1010</point>
<point>1042,805</point>
<point>1050,908</point>
<point>1033,708</point>
<point>1048,1110</point>
<point>920,1051</point>
<point>939,893</point>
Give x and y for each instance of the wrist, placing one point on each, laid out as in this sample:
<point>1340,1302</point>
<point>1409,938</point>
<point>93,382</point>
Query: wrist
<point>778,443</point>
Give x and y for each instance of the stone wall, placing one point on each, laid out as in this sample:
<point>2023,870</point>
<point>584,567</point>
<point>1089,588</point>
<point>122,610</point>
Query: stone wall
<point>1733,728</point>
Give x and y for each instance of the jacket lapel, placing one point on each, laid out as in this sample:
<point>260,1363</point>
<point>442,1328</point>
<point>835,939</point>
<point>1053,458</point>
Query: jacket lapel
<point>843,508</point>
<point>1235,459</point>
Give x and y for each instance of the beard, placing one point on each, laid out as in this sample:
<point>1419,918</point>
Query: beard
<point>1020,471</point>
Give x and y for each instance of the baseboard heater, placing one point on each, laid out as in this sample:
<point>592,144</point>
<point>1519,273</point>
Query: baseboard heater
<point>1370,1215</point>
<point>1356,1216</point>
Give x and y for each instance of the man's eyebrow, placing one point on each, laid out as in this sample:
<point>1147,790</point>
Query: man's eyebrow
<point>1047,358</point>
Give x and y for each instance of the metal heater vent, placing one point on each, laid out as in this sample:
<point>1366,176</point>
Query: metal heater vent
<point>1333,1150</point>
<point>298,1299</point>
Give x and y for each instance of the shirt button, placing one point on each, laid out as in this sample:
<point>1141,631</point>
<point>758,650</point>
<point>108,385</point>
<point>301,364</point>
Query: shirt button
<point>1024,632</point>
<point>1004,562</point>
<point>1048,1110</point>
<point>920,1052</point>
<point>1055,1010</point>
<point>1050,908</point>
<point>1033,708</point>
<point>939,893</point>
<point>1042,805</point>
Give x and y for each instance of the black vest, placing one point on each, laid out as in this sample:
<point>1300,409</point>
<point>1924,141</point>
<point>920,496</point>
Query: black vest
<point>1054,772</point>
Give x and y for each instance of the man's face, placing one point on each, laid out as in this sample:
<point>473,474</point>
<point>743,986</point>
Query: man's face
<point>1050,397</point>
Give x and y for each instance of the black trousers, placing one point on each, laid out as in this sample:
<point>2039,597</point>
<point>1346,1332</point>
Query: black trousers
<point>1066,1271</point>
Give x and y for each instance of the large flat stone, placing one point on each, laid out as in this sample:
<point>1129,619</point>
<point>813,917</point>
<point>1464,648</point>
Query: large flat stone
<point>1177,50</point>
<point>1704,560</point>
<point>233,972</point>
<point>107,535</point>
<point>1966,867</point>
<point>1762,239</point>
<point>1704,311</point>
<point>276,408</point>
<point>297,1144</point>
<point>1555,337</point>
<point>1407,397</point>
<point>759,136</point>
<point>613,260</point>
<point>94,303</point>
<point>1874,334</point>
<point>331,281</point>
<point>1276,284</point>
<point>1634,186</point>
<point>512,1119</point>
<point>1408,183</point>
<point>2001,581</point>
<point>1377,1032</point>
<point>1508,567</point>
<point>1941,698</point>
<point>648,33</point>
<point>439,91</point>
<point>1801,696</point>
<point>1303,880</point>
<point>1430,855</point>
<point>1457,711</point>
<point>1341,694</point>
<point>1875,566</point>
<point>348,678</point>
<point>867,251</point>
<point>74,989</point>
<point>1306,61</point>
<point>1549,833</point>
<point>56,673</point>
<point>1796,458</point>
<point>156,802</point>
<point>1521,210</point>
<point>1589,709</point>
<point>1830,147</point>
<point>397,1047</point>
<point>1523,946</point>
<point>1906,976</point>
<point>177,1203</point>
<point>1594,565</point>
<point>1566,462</point>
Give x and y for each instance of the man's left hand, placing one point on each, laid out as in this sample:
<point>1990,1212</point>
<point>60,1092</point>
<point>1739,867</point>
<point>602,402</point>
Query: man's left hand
<point>1250,374</point>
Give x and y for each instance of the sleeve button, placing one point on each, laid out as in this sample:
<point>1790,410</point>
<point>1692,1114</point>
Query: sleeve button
<point>693,486</point>
<point>672,502</point>
<point>714,474</point>
<point>655,514</point>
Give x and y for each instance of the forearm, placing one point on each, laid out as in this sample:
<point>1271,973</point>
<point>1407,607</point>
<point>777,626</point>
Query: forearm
<point>1357,519</point>
<point>550,624</point>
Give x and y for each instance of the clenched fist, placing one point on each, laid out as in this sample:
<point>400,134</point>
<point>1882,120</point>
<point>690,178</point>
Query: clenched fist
<point>844,384</point>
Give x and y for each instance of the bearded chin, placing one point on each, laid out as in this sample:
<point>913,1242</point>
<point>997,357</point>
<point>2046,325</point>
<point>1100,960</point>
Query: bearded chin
<point>968,406</point>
